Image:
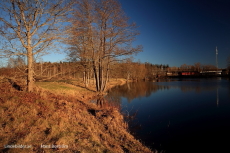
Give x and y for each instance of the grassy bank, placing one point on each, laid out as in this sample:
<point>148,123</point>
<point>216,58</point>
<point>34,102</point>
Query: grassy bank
<point>52,119</point>
<point>76,88</point>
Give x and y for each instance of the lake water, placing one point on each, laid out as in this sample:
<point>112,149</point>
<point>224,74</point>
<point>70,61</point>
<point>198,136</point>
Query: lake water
<point>186,115</point>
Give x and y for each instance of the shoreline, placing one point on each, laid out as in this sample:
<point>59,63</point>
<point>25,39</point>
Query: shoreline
<point>44,117</point>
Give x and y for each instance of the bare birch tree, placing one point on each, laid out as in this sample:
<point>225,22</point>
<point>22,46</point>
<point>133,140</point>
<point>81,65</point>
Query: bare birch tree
<point>100,34</point>
<point>30,27</point>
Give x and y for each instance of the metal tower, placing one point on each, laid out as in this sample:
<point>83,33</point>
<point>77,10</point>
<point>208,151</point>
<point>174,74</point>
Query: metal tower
<point>216,58</point>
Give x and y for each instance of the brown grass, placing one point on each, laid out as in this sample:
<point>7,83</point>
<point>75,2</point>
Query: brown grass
<point>46,118</point>
<point>76,88</point>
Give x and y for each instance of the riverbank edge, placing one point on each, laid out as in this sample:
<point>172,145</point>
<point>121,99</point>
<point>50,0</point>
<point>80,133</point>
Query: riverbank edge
<point>104,127</point>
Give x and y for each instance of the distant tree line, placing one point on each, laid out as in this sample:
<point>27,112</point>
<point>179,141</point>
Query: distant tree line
<point>126,69</point>
<point>198,67</point>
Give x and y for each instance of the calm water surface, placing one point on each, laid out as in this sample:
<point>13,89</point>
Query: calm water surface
<point>189,115</point>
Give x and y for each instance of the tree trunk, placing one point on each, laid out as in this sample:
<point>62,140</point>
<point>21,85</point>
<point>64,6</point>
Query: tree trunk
<point>41,69</point>
<point>96,77</point>
<point>127,78</point>
<point>30,81</point>
<point>102,79</point>
<point>106,79</point>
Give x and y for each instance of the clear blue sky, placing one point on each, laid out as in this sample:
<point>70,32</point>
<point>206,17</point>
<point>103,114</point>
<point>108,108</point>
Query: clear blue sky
<point>177,32</point>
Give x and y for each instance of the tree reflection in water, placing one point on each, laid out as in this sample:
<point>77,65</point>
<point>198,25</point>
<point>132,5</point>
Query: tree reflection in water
<point>168,117</point>
<point>134,90</point>
<point>108,102</point>
<point>139,89</point>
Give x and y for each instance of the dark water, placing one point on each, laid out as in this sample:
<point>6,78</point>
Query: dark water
<point>190,115</point>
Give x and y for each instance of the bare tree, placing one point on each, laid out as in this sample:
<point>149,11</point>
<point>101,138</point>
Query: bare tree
<point>128,68</point>
<point>15,62</point>
<point>100,34</point>
<point>184,67</point>
<point>197,66</point>
<point>209,67</point>
<point>31,27</point>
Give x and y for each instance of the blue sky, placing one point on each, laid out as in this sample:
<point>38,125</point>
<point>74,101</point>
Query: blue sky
<point>177,32</point>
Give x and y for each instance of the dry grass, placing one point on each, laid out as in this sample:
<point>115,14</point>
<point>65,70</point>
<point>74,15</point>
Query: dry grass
<point>46,118</point>
<point>76,88</point>
<point>56,87</point>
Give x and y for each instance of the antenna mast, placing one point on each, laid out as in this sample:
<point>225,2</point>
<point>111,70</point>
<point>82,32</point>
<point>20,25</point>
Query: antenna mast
<point>216,58</point>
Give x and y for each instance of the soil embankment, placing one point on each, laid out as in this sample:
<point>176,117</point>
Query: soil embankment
<point>43,121</point>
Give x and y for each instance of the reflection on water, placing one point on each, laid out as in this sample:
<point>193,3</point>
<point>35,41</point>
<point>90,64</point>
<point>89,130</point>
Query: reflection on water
<point>217,97</point>
<point>178,114</point>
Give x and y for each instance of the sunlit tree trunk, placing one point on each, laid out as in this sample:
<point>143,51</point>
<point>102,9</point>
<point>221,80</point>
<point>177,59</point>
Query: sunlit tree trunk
<point>30,79</point>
